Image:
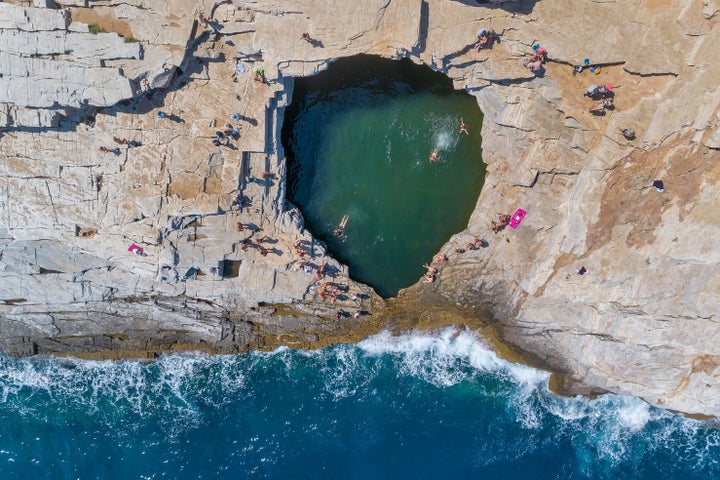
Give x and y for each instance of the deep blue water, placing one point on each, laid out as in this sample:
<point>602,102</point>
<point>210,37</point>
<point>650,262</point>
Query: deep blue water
<point>415,406</point>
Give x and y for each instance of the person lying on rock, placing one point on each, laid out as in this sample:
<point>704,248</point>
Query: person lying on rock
<point>600,107</point>
<point>430,269</point>
<point>597,92</point>
<point>535,66</point>
<point>597,109</point>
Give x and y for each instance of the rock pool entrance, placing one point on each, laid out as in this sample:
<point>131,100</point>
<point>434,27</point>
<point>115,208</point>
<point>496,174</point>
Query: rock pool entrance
<point>358,138</point>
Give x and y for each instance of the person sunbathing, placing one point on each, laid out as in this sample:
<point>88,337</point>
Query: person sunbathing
<point>430,269</point>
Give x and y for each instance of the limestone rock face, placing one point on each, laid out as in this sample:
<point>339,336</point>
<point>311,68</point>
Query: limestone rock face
<point>55,68</point>
<point>223,266</point>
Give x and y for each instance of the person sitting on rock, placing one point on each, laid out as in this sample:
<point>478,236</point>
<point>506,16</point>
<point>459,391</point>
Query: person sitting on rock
<point>430,269</point>
<point>483,39</point>
<point>541,54</point>
<point>259,75</point>
<point>628,133</point>
<point>480,243</point>
<point>486,38</point>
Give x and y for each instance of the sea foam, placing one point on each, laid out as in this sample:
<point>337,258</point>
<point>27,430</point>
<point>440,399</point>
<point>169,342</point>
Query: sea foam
<point>445,383</point>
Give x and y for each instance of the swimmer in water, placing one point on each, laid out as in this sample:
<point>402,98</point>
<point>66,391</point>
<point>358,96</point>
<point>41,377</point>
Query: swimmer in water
<point>340,230</point>
<point>434,155</point>
<point>463,127</point>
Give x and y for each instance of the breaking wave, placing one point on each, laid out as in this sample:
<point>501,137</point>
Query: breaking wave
<point>429,403</point>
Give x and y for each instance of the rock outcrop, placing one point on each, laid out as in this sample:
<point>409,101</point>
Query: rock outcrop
<point>642,321</point>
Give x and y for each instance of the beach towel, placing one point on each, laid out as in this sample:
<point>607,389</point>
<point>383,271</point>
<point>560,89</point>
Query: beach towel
<point>517,218</point>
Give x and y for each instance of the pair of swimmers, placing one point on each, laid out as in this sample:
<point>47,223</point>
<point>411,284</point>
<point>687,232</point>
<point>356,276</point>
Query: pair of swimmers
<point>435,155</point>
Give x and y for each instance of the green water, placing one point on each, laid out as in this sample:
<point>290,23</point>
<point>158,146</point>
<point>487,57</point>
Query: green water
<point>358,137</point>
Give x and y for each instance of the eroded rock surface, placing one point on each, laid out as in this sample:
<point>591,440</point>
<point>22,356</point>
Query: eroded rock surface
<point>642,321</point>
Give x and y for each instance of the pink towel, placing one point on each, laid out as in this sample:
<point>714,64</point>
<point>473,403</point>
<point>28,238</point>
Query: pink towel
<point>134,248</point>
<point>517,218</point>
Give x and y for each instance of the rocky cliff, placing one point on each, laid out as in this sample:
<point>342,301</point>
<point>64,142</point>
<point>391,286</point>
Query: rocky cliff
<point>89,168</point>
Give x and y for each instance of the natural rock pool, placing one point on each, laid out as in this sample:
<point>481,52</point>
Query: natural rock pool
<point>358,138</point>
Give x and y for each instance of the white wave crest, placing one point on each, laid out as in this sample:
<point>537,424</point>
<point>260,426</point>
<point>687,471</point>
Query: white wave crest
<point>170,387</point>
<point>443,359</point>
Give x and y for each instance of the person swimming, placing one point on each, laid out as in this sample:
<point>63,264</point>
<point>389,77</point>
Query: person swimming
<point>463,127</point>
<point>340,230</point>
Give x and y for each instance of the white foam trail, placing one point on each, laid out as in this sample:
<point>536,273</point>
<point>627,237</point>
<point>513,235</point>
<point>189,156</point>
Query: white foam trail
<point>176,389</point>
<point>443,140</point>
<point>170,387</point>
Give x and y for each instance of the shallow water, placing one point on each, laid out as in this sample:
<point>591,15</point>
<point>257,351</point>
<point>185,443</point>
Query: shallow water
<point>358,138</point>
<point>414,406</point>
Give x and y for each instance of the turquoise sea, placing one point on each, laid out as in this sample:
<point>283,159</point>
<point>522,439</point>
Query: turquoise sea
<point>414,406</point>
